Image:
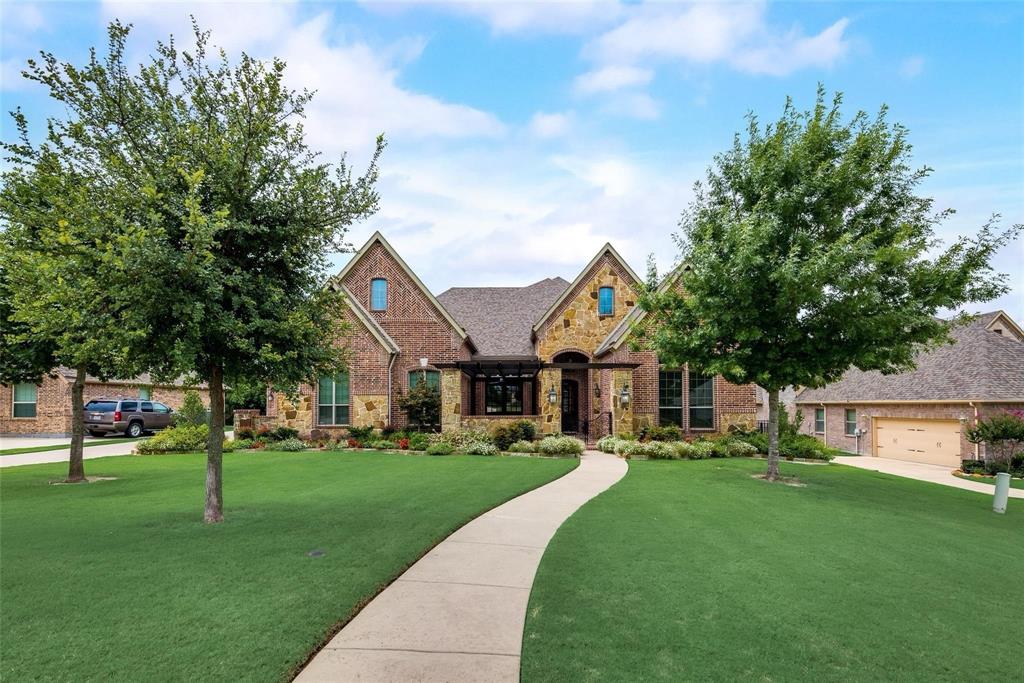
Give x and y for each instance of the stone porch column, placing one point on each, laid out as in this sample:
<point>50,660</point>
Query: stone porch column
<point>551,415</point>
<point>451,398</point>
<point>622,416</point>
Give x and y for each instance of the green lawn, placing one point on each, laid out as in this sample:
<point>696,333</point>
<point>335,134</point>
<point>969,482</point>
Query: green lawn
<point>696,571</point>
<point>981,479</point>
<point>60,447</point>
<point>121,580</point>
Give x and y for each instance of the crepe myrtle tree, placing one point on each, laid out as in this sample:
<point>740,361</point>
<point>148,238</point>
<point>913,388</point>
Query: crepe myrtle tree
<point>246,213</point>
<point>69,274</point>
<point>806,251</point>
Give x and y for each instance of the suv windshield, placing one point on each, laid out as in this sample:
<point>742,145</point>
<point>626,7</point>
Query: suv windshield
<point>101,406</point>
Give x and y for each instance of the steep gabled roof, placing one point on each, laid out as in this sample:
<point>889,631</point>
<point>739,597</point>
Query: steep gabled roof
<point>377,238</point>
<point>500,319</point>
<point>980,365</point>
<point>606,249</point>
<point>372,325</point>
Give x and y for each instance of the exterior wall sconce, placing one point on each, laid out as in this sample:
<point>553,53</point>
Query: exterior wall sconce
<point>597,390</point>
<point>963,419</point>
<point>552,395</point>
<point>624,395</point>
<point>423,362</point>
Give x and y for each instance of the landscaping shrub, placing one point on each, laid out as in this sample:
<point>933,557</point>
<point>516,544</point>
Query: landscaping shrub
<point>660,450</point>
<point>666,433</point>
<point>523,447</point>
<point>418,441</point>
<point>606,444</point>
<point>756,439</point>
<point>806,447</point>
<point>244,433</point>
<point>684,450</point>
<point>505,435</point>
<point>480,448</point>
<point>182,438</point>
<point>360,434</point>
<point>384,445</point>
<point>228,446</point>
<point>283,433</point>
<point>339,445</point>
<point>719,448</point>
<point>192,411</point>
<point>459,438</point>
<point>289,445</point>
<point>973,467</point>
<point>560,445</point>
<point>702,450</point>
<point>242,444</point>
<point>741,449</point>
<point>403,443</point>
<point>440,448</point>
<point>630,449</point>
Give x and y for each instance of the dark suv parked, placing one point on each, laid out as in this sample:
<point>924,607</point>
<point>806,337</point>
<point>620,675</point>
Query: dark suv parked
<point>130,416</point>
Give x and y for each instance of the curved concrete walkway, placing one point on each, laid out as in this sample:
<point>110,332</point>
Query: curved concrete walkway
<point>458,614</point>
<point>936,474</point>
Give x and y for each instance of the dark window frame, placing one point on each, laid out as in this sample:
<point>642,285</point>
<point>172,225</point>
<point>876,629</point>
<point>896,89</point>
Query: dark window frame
<point>664,376</point>
<point>696,424</point>
<point>34,402</point>
<point>505,386</point>
<point>415,375</point>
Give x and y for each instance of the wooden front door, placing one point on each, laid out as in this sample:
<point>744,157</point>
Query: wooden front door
<point>570,406</point>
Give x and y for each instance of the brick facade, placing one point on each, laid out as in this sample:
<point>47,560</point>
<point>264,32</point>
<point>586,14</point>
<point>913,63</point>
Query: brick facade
<point>835,421</point>
<point>53,403</point>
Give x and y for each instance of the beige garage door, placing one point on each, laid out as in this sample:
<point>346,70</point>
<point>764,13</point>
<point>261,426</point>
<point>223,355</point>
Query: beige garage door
<point>931,441</point>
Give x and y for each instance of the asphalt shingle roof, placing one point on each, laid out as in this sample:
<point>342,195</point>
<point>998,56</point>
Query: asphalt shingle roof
<point>500,320</point>
<point>981,365</point>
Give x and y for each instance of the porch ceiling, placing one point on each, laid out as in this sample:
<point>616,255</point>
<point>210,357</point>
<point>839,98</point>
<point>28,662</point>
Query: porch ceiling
<point>524,367</point>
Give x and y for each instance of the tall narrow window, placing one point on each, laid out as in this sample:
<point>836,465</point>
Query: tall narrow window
<point>24,400</point>
<point>851,422</point>
<point>819,420</point>
<point>145,393</point>
<point>670,398</point>
<point>332,400</point>
<point>379,294</point>
<point>432,378</point>
<point>605,301</point>
<point>702,401</point>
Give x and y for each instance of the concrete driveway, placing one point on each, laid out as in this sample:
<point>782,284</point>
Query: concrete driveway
<point>112,445</point>
<point>936,474</point>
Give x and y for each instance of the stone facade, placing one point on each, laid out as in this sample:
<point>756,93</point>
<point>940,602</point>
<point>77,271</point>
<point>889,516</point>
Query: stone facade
<point>53,403</point>
<point>550,413</point>
<point>622,413</point>
<point>451,398</point>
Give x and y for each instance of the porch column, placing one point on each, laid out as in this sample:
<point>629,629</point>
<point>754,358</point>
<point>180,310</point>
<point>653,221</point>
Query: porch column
<point>451,398</point>
<point>551,414</point>
<point>622,416</point>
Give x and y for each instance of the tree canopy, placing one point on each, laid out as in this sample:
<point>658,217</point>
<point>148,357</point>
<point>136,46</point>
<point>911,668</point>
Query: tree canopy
<point>807,250</point>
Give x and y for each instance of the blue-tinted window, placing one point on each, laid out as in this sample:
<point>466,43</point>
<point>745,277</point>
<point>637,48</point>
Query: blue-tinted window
<point>379,294</point>
<point>605,301</point>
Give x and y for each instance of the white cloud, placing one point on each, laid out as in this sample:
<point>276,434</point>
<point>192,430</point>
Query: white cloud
<point>544,125</point>
<point>911,67</point>
<point>734,34</point>
<point>10,75</point>
<point>532,16</point>
<point>21,17</point>
<point>610,78</point>
<point>634,105</point>
<point>357,96</point>
<point>615,177</point>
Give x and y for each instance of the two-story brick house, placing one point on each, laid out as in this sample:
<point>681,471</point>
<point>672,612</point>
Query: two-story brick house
<point>553,352</point>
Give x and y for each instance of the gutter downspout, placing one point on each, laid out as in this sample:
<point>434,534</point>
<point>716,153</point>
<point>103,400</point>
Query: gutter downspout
<point>391,364</point>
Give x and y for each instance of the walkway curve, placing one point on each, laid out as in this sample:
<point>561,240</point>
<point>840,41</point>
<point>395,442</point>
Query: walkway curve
<point>458,613</point>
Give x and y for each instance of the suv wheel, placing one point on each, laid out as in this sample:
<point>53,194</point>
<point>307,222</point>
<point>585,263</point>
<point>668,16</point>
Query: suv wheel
<point>95,434</point>
<point>134,429</point>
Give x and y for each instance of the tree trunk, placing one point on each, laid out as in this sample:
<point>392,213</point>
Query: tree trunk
<point>773,435</point>
<point>76,465</point>
<point>214,511</point>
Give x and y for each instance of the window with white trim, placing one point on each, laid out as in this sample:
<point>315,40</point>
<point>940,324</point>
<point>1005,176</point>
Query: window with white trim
<point>333,400</point>
<point>819,420</point>
<point>851,422</point>
<point>378,294</point>
<point>702,401</point>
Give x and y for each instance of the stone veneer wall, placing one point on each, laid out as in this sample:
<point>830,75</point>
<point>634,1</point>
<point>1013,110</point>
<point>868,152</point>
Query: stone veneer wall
<point>622,415</point>
<point>551,415</point>
<point>369,410</point>
<point>451,398</point>
<point>576,324</point>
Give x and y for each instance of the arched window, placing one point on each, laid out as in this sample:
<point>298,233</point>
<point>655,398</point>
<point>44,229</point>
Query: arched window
<point>378,294</point>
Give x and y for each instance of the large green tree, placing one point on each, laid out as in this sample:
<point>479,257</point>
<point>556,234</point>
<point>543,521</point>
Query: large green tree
<point>69,276</point>
<point>244,212</point>
<point>808,250</point>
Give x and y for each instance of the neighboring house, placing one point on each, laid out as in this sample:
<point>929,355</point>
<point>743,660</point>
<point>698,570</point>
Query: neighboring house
<point>787,401</point>
<point>553,352</point>
<point>44,409</point>
<point>922,415</point>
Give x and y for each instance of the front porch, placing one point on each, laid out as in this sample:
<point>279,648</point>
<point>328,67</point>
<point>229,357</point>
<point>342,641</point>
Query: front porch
<point>568,395</point>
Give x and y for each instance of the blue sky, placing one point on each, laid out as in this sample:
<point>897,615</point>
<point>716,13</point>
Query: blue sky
<point>522,136</point>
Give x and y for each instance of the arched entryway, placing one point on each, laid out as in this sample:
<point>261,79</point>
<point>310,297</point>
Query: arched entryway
<point>575,394</point>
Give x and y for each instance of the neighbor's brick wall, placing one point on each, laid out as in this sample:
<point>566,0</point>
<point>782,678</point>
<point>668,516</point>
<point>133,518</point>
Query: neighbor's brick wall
<point>835,419</point>
<point>53,403</point>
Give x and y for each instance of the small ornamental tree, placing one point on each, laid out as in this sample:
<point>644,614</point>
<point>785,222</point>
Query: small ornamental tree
<point>245,213</point>
<point>806,252</point>
<point>1003,436</point>
<point>422,405</point>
